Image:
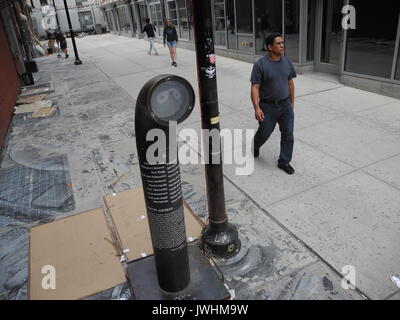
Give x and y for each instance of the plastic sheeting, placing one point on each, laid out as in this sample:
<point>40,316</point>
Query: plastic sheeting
<point>36,194</point>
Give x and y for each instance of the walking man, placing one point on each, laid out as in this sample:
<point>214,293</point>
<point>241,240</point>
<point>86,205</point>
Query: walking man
<point>63,43</point>
<point>149,29</point>
<point>272,95</point>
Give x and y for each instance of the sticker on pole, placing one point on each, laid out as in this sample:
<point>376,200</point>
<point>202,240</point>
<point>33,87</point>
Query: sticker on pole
<point>211,58</point>
<point>210,72</point>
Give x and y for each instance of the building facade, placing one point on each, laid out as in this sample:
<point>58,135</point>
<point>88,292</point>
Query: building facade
<point>15,50</point>
<point>85,15</point>
<point>317,38</point>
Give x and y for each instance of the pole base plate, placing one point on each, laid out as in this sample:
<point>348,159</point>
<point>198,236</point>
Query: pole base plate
<point>205,282</point>
<point>220,240</point>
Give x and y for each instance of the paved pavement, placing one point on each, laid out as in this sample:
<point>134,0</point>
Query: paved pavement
<point>341,208</point>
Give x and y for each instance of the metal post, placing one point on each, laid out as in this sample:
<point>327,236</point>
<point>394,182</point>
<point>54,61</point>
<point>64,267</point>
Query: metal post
<point>219,238</point>
<point>77,60</point>
<point>58,22</point>
<point>163,99</point>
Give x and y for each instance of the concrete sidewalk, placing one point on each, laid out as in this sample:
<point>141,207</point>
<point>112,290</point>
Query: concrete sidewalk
<point>341,207</point>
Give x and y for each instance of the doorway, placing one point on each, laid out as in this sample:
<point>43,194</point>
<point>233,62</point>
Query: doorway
<point>329,36</point>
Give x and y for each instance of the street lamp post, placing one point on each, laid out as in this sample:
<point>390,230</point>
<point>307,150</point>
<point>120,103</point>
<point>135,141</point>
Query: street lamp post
<point>77,60</point>
<point>219,238</point>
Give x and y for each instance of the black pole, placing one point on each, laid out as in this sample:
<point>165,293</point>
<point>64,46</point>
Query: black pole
<point>55,10</point>
<point>219,237</point>
<point>161,179</point>
<point>77,60</point>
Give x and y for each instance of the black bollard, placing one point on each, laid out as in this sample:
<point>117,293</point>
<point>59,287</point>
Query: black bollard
<point>219,238</point>
<point>163,99</point>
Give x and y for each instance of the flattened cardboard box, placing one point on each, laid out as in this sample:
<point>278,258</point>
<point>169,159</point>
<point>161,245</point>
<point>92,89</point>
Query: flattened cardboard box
<point>31,99</point>
<point>128,211</point>
<point>33,107</point>
<point>83,261</point>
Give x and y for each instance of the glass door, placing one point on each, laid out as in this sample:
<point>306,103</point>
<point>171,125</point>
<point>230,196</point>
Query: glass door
<point>156,17</point>
<point>218,12</point>
<point>268,20</point>
<point>231,24</point>
<point>142,13</point>
<point>329,36</point>
<point>183,20</point>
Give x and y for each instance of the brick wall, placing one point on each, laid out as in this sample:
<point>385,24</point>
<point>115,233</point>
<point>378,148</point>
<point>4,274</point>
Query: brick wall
<point>9,85</point>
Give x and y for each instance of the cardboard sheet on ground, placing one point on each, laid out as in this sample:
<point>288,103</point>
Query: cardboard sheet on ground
<point>33,107</point>
<point>128,211</point>
<point>37,89</point>
<point>31,99</point>
<point>43,112</point>
<point>84,262</point>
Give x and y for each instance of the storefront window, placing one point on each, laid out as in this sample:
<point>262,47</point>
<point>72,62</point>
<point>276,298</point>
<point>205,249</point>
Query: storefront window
<point>156,16</point>
<point>123,19</point>
<point>268,20</point>
<point>292,29</point>
<point>219,22</point>
<point>160,20</point>
<point>115,17</point>
<point>85,20</point>
<point>182,19</point>
<point>332,32</point>
<point>173,13</point>
<point>244,16</point>
<point>109,21</point>
<point>190,18</point>
<point>231,23</point>
<point>311,29</point>
<point>132,13</point>
<point>370,47</point>
<point>143,13</point>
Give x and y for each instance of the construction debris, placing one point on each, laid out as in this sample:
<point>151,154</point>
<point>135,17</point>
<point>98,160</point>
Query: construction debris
<point>31,99</point>
<point>43,112</point>
<point>33,107</point>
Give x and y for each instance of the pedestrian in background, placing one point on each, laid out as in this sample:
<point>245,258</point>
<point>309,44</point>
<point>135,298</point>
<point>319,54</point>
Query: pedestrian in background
<point>171,38</point>
<point>272,95</point>
<point>149,29</point>
<point>50,42</point>
<point>63,43</point>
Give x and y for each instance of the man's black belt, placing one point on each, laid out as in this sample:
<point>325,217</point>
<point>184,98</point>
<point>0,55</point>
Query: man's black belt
<point>276,101</point>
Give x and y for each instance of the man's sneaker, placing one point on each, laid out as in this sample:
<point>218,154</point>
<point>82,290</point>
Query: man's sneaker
<point>66,56</point>
<point>175,64</point>
<point>286,167</point>
<point>156,53</point>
